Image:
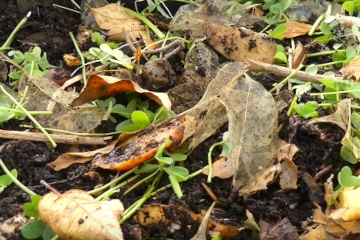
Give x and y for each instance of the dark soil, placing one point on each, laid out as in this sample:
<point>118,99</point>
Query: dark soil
<point>49,27</point>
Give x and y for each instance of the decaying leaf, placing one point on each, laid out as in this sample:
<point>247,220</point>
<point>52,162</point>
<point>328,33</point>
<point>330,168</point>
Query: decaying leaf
<point>340,117</point>
<point>177,218</point>
<point>143,148</point>
<point>299,55</point>
<point>240,44</point>
<point>189,18</point>
<point>352,69</point>
<point>203,66</point>
<point>295,29</point>
<point>209,114</point>
<point>77,215</point>
<point>201,233</point>
<point>67,159</point>
<point>113,17</point>
<point>253,122</point>
<point>282,230</point>
<point>104,86</point>
<point>46,95</point>
<point>349,199</point>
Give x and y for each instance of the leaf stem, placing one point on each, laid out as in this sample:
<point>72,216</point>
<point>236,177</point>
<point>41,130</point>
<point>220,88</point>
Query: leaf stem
<point>146,22</point>
<point>80,55</point>
<point>15,181</point>
<point>210,160</point>
<point>283,82</point>
<point>17,28</point>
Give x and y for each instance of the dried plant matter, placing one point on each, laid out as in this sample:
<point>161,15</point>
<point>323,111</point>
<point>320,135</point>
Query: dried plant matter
<point>77,215</point>
<point>252,116</point>
<point>240,44</point>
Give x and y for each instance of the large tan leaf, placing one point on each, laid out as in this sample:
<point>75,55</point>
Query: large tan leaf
<point>352,69</point>
<point>77,215</point>
<point>113,17</point>
<point>240,44</point>
<point>253,121</point>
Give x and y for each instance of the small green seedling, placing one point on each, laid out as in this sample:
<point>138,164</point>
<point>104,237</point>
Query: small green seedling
<point>32,62</point>
<point>276,10</point>
<point>278,32</point>
<point>5,180</point>
<point>7,112</point>
<point>351,6</point>
<point>345,179</point>
<point>137,114</point>
<point>106,54</point>
<point>280,56</point>
<point>37,228</point>
<point>307,110</point>
<point>176,174</point>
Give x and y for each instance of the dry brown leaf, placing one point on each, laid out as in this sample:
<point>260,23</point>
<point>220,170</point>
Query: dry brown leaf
<point>318,233</point>
<point>67,159</point>
<point>295,29</point>
<point>47,96</point>
<point>178,218</point>
<point>352,69</point>
<point>240,44</point>
<point>289,173</point>
<point>105,86</point>
<point>77,215</point>
<point>114,18</point>
<point>349,199</point>
<point>253,122</point>
<point>201,233</point>
<point>299,55</point>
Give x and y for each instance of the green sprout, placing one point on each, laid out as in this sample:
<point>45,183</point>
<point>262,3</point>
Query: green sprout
<point>346,179</point>
<point>32,62</point>
<point>5,180</point>
<point>137,114</point>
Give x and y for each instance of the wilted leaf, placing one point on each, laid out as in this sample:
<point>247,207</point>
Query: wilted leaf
<point>240,44</point>
<point>77,215</point>
<point>349,198</point>
<point>104,86</point>
<point>352,69</point>
<point>253,122</point>
<point>67,159</point>
<point>201,233</point>
<point>299,55</point>
<point>189,18</point>
<point>209,114</point>
<point>113,17</point>
<point>47,96</point>
<point>143,148</point>
<point>340,117</point>
<point>295,29</point>
<point>179,218</point>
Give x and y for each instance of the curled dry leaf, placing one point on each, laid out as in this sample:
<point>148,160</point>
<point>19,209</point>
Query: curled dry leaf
<point>253,122</point>
<point>201,233</point>
<point>352,69</point>
<point>299,55</point>
<point>77,215</point>
<point>295,29</point>
<point>113,17</point>
<point>104,86</point>
<point>177,218</point>
<point>143,148</point>
<point>240,44</point>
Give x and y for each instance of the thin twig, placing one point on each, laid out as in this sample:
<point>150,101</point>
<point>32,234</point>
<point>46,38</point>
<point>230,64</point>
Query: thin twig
<point>284,71</point>
<point>59,138</point>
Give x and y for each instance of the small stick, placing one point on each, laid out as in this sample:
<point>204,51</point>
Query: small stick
<point>58,138</point>
<point>283,71</point>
